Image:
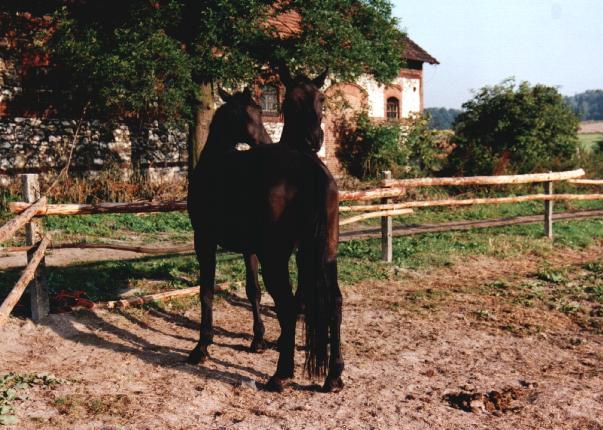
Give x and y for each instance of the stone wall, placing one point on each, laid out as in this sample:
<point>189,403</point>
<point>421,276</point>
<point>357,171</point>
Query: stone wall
<point>31,145</point>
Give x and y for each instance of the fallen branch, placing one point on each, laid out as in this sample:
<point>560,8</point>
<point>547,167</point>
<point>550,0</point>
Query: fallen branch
<point>137,301</point>
<point>10,228</point>
<point>28,274</point>
<point>377,214</point>
<point>468,202</point>
<point>485,180</point>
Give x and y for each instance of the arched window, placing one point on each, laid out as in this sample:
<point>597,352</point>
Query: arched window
<point>393,109</point>
<point>269,100</point>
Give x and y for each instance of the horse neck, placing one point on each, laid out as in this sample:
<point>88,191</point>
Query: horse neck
<point>294,135</point>
<point>219,140</point>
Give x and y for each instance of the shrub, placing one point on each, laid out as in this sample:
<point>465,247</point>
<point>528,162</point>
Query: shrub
<point>367,148</point>
<point>511,128</point>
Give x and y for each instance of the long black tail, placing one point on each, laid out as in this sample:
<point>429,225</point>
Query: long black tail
<point>312,274</point>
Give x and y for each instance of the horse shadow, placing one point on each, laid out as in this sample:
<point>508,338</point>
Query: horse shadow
<point>96,326</point>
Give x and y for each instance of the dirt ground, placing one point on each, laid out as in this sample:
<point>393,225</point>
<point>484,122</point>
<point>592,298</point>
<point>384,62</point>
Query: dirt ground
<point>426,352</point>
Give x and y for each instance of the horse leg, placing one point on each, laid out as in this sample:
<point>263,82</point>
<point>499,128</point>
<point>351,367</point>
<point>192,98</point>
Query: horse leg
<point>276,279</point>
<point>254,294</point>
<point>206,254</point>
<point>333,382</point>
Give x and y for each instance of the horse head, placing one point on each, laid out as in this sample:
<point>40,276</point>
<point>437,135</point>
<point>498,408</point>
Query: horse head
<point>238,121</point>
<point>303,110</point>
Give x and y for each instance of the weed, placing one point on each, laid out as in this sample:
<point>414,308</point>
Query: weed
<point>556,276</point>
<point>11,384</point>
<point>483,314</point>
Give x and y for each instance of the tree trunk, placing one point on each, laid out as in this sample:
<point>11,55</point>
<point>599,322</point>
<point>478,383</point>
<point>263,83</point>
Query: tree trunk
<point>203,114</point>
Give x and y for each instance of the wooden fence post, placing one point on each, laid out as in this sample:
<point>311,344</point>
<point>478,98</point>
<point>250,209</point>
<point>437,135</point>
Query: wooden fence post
<point>548,210</point>
<point>386,229</point>
<point>38,289</point>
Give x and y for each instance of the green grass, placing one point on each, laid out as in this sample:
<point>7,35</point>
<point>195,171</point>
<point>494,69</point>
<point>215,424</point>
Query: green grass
<point>588,141</point>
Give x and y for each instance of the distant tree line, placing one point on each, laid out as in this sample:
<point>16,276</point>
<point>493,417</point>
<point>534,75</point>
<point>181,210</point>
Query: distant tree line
<point>441,118</point>
<point>588,105</point>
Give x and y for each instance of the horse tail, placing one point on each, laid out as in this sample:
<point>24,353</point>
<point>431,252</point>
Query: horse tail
<point>312,272</point>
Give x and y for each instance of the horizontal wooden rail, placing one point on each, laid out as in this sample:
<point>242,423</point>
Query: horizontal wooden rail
<point>485,180</point>
<point>586,181</point>
<point>28,274</point>
<point>177,249</point>
<point>100,208</point>
<point>377,214</point>
<point>468,202</point>
<point>377,193</point>
<point>9,229</point>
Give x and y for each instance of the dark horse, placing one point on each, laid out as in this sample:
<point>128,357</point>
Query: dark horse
<point>268,201</point>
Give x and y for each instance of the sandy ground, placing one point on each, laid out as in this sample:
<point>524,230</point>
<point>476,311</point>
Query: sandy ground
<point>409,364</point>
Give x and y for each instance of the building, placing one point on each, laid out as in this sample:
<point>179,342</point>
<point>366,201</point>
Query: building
<point>394,102</point>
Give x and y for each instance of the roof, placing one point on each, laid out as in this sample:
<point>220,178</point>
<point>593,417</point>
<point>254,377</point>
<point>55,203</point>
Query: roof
<point>412,51</point>
<point>287,24</point>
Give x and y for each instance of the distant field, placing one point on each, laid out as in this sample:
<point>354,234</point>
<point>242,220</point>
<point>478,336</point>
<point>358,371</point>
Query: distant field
<point>588,141</point>
<point>587,127</point>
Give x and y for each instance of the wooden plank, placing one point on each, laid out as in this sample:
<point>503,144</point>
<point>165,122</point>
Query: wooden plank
<point>27,275</point>
<point>9,229</point>
<point>485,180</point>
<point>469,202</point>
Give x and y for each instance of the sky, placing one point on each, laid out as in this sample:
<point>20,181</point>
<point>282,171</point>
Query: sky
<point>482,42</point>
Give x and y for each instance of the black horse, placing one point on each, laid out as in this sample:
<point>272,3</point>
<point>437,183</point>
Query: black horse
<point>241,118</point>
<point>268,201</point>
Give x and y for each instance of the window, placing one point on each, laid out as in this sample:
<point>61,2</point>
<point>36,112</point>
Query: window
<point>269,100</point>
<point>393,108</point>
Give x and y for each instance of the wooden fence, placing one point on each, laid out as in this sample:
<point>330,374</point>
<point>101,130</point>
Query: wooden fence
<point>36,206</point>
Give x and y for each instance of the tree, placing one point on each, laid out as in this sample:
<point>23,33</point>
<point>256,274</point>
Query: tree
<point>441,118</point>
<point>408,149</point>
<point>587,105</point>
<point>515,129</point>
<point>161,58</point>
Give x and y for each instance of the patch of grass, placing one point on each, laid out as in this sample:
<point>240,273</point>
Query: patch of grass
<point>588,141</point>
<point>556,276</point>
<point>10,386</point>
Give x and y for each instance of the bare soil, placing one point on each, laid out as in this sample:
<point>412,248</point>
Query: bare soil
<point>430,351</point>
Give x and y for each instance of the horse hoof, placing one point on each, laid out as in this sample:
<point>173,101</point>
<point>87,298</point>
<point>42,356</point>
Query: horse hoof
<point>198,355</point>
<point>332,385</point>
<point>257,346</point>
<point>275,385</point>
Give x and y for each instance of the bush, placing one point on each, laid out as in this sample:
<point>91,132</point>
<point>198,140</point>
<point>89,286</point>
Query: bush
<point>514,129</point>
<point>367,149</point>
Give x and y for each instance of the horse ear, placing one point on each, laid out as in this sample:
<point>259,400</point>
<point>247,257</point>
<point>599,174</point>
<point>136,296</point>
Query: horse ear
<point>285,74</point>
<point>319,81</point>
<point>224,95</point>
<point>247,93</point>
